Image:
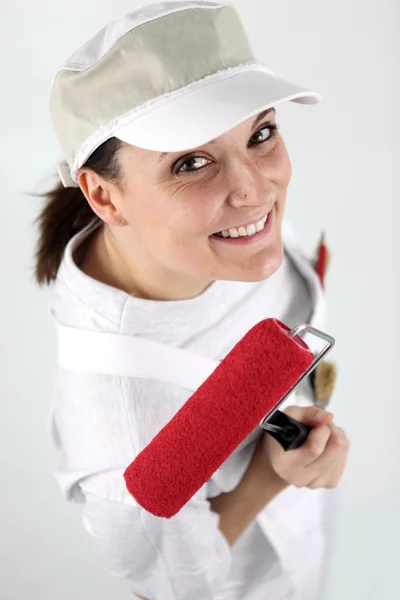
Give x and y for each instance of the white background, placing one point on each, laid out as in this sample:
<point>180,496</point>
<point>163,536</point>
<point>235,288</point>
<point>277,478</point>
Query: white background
<point>345,155</point>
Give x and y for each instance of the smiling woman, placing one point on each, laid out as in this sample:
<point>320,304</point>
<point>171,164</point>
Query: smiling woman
<point>154,252</point>
<point>161,217</point>
<point>168,226</point>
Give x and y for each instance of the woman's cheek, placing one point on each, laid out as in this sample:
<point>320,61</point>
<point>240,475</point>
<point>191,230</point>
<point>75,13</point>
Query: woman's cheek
<point>196,220</point>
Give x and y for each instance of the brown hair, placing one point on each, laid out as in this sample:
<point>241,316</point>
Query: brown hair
<point>66,211</point>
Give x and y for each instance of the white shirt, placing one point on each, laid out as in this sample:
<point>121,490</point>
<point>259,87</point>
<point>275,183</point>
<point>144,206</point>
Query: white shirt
<point>100,422</point>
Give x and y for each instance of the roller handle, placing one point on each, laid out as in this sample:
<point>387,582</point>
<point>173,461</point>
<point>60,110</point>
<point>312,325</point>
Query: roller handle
<point>287,431</point>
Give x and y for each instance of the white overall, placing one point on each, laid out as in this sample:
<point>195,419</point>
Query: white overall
<point>293,521</point>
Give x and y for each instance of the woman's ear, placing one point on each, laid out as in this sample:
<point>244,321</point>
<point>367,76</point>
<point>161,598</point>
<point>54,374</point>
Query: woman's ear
<point>102,197</point>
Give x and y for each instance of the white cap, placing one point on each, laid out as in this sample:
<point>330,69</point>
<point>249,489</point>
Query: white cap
<point>168,77</point>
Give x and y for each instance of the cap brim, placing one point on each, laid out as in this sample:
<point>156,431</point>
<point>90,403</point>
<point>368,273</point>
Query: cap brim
<point>201,114</point>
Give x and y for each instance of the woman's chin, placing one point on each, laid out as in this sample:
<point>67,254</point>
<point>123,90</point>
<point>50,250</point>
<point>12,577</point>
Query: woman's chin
<point>258,267</point>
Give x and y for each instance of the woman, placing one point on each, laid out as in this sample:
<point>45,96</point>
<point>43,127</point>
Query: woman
<point>169,227</point>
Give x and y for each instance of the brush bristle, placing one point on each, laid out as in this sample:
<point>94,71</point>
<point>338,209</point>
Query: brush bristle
<point>324,382</point>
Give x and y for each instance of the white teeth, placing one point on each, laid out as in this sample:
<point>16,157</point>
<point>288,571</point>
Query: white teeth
<point>259,226</point>
<point>244,231</point>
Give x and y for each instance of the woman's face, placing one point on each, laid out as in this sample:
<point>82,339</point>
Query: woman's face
<point>174,205</point>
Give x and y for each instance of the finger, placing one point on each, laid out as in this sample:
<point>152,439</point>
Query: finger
<point>330,479</point>
<point>336,474</point>
<point>330,464</point>
<point>309,415</point>
<point>312,449</point>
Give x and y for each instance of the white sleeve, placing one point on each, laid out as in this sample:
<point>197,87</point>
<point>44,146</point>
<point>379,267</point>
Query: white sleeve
<point>185,557</point>
<point>100,423</point>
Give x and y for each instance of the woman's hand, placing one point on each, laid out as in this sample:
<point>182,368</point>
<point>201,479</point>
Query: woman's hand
<point>319,462</point>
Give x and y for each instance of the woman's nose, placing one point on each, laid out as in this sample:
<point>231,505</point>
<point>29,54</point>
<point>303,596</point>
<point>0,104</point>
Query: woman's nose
<point>248,186</point>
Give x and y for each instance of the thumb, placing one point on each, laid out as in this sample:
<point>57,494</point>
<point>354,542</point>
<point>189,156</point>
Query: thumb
<point>309,415</point>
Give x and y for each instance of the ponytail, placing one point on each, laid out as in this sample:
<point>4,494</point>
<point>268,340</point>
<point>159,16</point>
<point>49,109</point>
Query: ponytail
<point>66,212</point>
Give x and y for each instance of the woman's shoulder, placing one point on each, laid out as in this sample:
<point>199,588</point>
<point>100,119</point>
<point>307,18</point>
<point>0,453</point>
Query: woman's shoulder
<point>119,404</point>
<point>291,238</point>
<point>306,262</point>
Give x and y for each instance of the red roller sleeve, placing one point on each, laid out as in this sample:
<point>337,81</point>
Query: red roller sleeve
<point>225,409</point>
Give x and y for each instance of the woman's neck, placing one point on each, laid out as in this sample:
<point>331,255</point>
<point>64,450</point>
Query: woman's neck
<point>100,258</point>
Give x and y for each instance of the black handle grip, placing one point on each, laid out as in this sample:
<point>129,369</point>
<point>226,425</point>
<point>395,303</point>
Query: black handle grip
<point>291,434</point>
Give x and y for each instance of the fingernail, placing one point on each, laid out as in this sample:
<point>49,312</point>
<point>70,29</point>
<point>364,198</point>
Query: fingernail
<point>320,414</point>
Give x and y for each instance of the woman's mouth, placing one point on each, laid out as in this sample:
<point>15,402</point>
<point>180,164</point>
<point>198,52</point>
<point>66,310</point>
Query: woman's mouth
<point>247,235</point>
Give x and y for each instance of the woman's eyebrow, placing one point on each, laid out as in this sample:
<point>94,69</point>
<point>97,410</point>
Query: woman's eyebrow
<point>257,120</point>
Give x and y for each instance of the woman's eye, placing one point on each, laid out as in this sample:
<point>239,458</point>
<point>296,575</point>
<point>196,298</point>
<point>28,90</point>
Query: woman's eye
<point>191,162</point>
<point>260,136</point>
<point>196,163</point>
